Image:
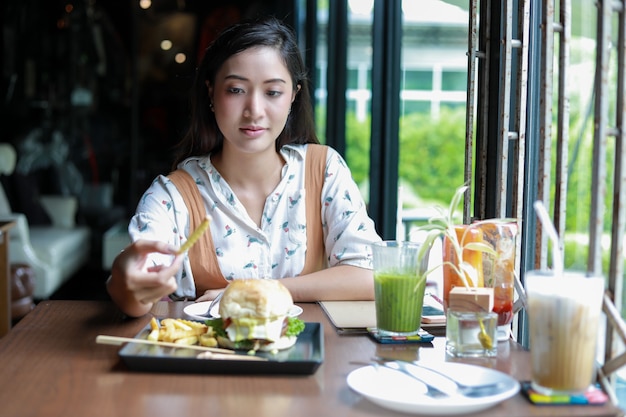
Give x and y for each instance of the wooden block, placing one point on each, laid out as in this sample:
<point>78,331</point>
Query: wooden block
<point>471,299</point>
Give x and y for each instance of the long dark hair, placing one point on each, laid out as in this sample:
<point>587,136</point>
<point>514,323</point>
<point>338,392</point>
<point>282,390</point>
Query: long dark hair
<point>204,136</point>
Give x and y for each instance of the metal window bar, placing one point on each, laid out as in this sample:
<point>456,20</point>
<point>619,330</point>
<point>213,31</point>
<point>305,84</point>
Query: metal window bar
<point>505,111</point>
<point>612,304</point>
<point>386,59</point>
<point>512,121</point>
<point>550,28</point>
<point>512,113</point>
<point>519,122</point>
<point>481,25</point>
<point>472,61</point>
<point>517,136</point>
<point>563,28</point>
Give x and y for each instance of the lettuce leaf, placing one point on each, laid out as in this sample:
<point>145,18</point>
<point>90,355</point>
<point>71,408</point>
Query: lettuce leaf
<point>295,326</point>
<point>217,325</point>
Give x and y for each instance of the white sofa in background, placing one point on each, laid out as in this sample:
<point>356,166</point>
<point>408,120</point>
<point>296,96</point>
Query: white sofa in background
<point>55,252</point>
<point>114,240</point>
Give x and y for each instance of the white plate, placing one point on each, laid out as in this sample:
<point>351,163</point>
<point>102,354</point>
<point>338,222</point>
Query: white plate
<point>396,391</point>
<point>196,310</point>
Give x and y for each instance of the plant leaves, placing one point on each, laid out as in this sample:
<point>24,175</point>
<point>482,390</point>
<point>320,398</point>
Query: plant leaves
<point>481,247</point>
<point>425,247</point>
<point>456,199</point>
<point>430,226</point>
<point>471,272</point>
<point>443,225</point>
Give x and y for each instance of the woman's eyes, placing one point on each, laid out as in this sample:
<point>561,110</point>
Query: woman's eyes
<point>237,90</point>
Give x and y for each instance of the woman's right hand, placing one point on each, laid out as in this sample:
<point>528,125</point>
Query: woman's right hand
<point>135,286</point>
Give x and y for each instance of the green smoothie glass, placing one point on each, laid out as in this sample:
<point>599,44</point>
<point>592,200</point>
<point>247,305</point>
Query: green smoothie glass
<point>399,284</point>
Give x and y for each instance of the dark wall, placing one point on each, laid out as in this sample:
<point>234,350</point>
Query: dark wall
<point>86,72</point>
<point>93,105</point>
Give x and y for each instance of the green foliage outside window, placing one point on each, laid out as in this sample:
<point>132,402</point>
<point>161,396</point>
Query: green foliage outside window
<point>432,153</point>
<point>431,160</point>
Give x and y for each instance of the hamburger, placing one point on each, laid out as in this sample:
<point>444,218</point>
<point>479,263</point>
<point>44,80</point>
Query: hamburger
<point>254,315</point>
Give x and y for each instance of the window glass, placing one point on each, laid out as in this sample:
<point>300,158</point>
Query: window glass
<point>353,78</point>
<point>415,106</point>
<point>452,80</point>
<point>432,99</point>
<point>418,79</point>
<point>582,92</point>
<point>432,121</point>
<point>359,94</point>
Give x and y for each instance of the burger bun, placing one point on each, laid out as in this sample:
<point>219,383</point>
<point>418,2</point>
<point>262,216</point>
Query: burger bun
<point>255,298</point>
<point>255,315</point>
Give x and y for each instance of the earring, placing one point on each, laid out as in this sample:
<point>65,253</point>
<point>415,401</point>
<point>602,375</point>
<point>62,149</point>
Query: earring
<point>211,107</point>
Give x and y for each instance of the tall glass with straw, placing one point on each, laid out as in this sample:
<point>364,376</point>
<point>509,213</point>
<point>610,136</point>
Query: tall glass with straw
<point>563,314</point>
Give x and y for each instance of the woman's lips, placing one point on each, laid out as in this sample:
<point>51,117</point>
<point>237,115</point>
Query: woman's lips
<point>253,131</point>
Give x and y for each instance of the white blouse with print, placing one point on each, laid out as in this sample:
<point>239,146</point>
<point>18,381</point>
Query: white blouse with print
<point>277,248</point>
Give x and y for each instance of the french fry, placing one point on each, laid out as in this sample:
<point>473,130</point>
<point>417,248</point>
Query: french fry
<point>207,340</point>
<point>167,323</point>
<point>153,335</point>
<point>173,334</point>
<point>180,331</point>
<point>181,326</point>
<point>189,340</point>
<point>193,238</point>
<point>193,324</point>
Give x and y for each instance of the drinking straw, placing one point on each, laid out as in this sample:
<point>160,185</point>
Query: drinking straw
<point>557,258</point>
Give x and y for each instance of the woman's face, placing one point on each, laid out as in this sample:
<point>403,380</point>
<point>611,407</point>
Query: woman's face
<point>252,98</point>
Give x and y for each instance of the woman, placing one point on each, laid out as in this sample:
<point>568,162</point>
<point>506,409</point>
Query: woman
<point>250,132</point>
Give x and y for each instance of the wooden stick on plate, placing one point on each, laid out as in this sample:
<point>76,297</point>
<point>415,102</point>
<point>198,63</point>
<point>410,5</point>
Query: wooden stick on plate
<point>210,352</point>
<point>118,341</point>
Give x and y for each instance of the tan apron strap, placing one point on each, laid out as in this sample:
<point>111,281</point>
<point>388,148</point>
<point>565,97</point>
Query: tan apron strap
<point>202,258</point>
<point>315,172</point>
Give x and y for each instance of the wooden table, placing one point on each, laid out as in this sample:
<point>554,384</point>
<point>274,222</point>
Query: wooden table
<point>50,365</point>
<point>5,281</point>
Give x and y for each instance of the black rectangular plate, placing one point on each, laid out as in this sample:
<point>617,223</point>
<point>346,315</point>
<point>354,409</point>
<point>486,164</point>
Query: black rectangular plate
<point>301,359</point>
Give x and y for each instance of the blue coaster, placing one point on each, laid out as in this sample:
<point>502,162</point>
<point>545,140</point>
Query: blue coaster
<point>422,337</point>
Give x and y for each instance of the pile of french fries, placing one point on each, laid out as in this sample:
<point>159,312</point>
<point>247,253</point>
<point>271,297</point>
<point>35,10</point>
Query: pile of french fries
<point>182,332</point>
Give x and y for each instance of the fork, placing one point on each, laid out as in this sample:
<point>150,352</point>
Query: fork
<point>431,390</point>
<point>215,301</point>
<point>480,390</point>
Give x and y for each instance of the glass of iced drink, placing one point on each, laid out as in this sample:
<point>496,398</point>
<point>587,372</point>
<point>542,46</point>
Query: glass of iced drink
<point>563,318</point>
<point>465,235</point>
<point>399,284</point>
<point>492,271</point>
